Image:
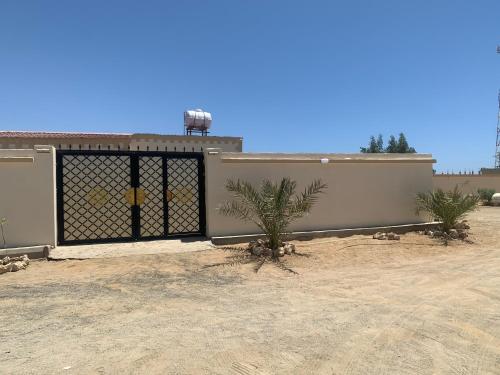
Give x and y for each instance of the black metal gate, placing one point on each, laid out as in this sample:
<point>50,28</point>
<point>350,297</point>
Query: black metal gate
<point>105,196</point>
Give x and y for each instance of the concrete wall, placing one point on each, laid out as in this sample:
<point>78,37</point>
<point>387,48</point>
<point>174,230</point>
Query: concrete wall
<point>467,183</point>
<point>363,190</point>
<point>28,196</point>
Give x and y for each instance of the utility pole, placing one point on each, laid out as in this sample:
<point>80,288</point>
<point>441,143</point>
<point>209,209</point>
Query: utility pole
<point>497,150</point>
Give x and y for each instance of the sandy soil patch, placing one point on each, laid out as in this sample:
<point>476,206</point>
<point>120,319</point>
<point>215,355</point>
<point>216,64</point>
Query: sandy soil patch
<point>358,306</point>
<point>173,246</point>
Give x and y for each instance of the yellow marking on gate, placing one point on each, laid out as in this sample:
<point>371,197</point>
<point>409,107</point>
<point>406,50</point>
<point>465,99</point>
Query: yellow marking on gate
<point>134,195</point>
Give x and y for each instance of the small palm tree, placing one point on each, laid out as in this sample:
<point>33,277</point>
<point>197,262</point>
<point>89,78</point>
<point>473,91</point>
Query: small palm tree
<point>486,195</point>
<point>448,207</point>
<point>272,207</point>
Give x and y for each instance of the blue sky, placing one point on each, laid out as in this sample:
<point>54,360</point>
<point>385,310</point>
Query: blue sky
<point>288,76</point>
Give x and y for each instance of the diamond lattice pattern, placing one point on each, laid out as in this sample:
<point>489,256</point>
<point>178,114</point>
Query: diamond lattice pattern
<point>93,197</point>
<point>151,181</point>
<point>184,205</point>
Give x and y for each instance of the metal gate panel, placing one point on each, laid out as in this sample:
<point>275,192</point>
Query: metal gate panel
<point>152,211</point>
<point>118,196</point>
<point>184,196</point>
<point>92,200</point>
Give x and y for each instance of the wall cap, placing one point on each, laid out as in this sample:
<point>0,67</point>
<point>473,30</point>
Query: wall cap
<point>213,151</point>
<point>43,149</point>
<point>233,157</point>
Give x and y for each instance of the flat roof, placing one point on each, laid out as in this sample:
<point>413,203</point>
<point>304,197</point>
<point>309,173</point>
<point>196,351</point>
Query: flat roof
<point>32,134</point>
<point>77,135</point>
<point>490,171</point>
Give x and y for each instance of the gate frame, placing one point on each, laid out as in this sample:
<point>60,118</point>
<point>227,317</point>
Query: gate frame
<point>133,180</point>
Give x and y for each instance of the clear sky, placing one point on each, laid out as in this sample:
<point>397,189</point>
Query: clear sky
<point>287,76</point>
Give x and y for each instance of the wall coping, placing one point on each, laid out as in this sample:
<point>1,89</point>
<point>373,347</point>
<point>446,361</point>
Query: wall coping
<point>233,157</point>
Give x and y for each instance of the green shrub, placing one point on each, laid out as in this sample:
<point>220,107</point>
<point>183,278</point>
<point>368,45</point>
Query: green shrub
<point>272,207</point>
<point>486,195</point>
<point>447,207</point>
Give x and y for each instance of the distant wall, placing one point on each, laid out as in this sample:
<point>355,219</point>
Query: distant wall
<point>361,193</point>
<point>27,199</point>
<point>467,183</point>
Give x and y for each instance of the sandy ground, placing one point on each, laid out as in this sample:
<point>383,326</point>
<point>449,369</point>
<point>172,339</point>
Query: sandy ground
<point>173,246</point>
<point>414,307</point>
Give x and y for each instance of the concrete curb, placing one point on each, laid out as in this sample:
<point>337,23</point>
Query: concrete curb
<point>305,236</point>
<point>33,252</point>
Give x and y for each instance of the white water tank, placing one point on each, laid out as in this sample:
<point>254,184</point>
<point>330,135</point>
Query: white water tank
<point>197,119</point>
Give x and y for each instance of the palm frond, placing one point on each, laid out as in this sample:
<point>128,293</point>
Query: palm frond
<point>304,202</point>
<point>236,209</point>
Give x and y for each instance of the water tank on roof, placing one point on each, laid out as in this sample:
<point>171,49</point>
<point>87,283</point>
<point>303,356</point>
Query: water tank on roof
<point>197,120</point>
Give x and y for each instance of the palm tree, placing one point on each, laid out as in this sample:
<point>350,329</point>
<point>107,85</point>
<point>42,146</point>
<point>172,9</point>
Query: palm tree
<point>448,207</point>
<point>486,195</point>
<point>272,207</point>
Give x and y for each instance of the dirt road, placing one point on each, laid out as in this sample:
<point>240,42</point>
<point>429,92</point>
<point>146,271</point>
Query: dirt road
<point>414,307</point>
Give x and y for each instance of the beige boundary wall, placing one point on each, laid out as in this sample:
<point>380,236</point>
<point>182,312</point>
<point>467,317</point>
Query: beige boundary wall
<point>363,190</point>
<point>28,196</point>
<point>467,183</point>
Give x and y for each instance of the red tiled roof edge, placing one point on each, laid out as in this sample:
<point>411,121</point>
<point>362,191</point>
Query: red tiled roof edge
<point>62,135</point>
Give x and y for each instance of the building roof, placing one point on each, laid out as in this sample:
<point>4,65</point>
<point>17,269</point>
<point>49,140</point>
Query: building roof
<point>130,136</point>
<point>64,135</point>
<point>490,171</point>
